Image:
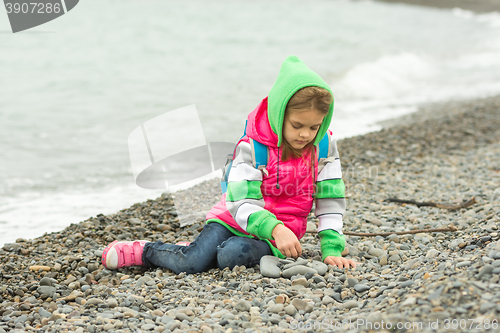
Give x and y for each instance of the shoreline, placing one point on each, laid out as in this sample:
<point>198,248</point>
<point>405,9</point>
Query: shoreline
<point>477,6</point>
<point>446,152</point>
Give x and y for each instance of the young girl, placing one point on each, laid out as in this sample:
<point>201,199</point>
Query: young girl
<point>264,210</point>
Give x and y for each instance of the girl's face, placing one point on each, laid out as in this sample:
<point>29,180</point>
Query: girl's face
<point>300,127</point>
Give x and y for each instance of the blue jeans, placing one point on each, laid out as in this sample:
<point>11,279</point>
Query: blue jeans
<point>215,246</point>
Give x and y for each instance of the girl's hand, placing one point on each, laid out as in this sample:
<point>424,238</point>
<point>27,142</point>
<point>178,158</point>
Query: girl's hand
<point>340,262</point>
<point>286,241</point>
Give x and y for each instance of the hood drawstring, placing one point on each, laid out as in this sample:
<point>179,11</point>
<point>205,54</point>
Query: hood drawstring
<point>278,173</point>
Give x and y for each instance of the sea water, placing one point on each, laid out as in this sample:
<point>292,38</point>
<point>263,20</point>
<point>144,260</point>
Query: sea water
<point>73,89</point>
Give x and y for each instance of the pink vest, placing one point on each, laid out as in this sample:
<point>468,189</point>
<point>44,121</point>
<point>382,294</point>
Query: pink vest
<point>292,202</point>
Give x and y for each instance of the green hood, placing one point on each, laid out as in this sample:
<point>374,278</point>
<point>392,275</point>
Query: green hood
<point>293,76</point>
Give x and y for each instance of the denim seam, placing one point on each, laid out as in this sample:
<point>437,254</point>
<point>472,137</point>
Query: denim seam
<point>176,250</point>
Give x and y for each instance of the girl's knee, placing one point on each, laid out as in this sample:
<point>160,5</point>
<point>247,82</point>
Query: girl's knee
<point>237,251</point>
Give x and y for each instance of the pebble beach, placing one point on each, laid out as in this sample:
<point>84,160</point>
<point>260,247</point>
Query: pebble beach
<point>424,281</point>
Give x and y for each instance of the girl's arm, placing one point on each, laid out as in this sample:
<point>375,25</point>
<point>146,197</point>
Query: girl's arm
<point>330,207</point>
<point>244,198</point>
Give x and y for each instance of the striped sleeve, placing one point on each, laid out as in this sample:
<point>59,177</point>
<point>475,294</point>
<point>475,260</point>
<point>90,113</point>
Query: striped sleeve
<point>244,198</point>
<point>330,202</point>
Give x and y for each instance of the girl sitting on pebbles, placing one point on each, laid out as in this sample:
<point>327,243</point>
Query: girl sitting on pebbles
<point>265,209</point>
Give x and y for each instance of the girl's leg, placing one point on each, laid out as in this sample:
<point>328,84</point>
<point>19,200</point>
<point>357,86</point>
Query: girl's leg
<point>199,256</point>
<point>241,251</point>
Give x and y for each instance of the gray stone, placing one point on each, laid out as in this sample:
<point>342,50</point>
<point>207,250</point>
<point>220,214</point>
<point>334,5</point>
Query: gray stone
<point>166,319</point>
<point>94,301</point>
<point>300,261</point>
<point>431,254</point>
<point>135,221</point>
<point>47,281</point>
<point>111,302</point>
<point>242,305</point>
<point>436,293</point>
<point>21,319</point>
<point>406,284</point>
<point>463,264</point>
<point>492,254</point>
<point>296,270</point>
<point>349,305</point>
<point>454,243</point>
<point>221,290</point>
<point>486,306</point>
<point>351,282</point>
<point>299,304</point>
<point>353,251</point>
<point>181,316</point>
<point>148,327</point>
<point>413,263</point>
<point>46,290</point>
<point>320,267</point>
<point>143,280</point>
<point>276,308</point>
<point>486,269</point>
<point>318,279</point>
<point>395,258</point>
<point>269,266</point>
<point>361,287</point>
<point>327,300</point>
<point>290,310</point>
<point>376,252</point>
<point>44,313</point>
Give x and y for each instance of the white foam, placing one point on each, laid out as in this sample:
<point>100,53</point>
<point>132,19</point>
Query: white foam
<point>492,18</point>
<point>389,77</point>
<point>394,85</point>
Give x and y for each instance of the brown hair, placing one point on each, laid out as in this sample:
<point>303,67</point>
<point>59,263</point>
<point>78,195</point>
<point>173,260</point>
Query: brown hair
<point>316,98</point>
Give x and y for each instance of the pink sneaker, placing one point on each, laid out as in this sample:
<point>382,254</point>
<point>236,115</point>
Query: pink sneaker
<point>123,254</point>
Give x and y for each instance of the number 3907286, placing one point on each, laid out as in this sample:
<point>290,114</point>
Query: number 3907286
<point>33,7</point>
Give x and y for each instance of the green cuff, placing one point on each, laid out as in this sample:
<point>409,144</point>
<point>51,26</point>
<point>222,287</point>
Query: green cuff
<point>262,223</point>
<point>274,250</point>
<point>332,243</point>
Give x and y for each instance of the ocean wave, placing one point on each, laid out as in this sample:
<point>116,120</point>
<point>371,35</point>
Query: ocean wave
<point>390,76</point>
<point>492,18</point>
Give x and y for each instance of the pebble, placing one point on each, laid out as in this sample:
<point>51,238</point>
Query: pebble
<point>351,282</point>
<point>276,308</point>
<point>349,305</point>
<point>320,267</point>
<point>36,268</point>
<point>431,254</point>
<point>269,266</point>
<point>290,310</point>
<point>94,301</point>
<point>376,252</point>
<point>361,287</point>
<point>299,304</point>
<point>464,264</point>
<point>47,281</point>
<point>242,305</point>
<point>298,270</point>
